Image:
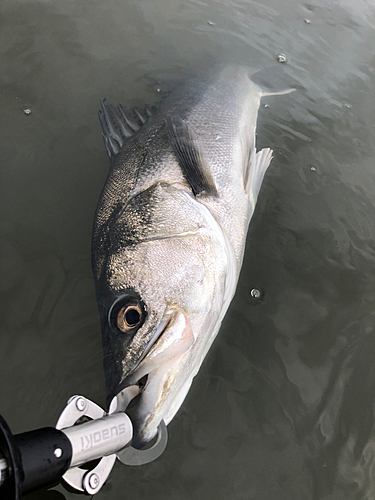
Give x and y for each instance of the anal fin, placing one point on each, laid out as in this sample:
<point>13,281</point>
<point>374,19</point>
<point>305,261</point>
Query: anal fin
<point>190,156</point>
<point>259,163</point>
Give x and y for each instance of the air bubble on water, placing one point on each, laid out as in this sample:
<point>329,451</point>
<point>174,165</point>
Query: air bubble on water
<point>281,58</point>
<point>26,110</point>
<point>255,293</point>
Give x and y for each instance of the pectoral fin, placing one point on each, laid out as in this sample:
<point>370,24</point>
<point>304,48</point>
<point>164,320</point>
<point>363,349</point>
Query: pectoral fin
<point>190,156</point>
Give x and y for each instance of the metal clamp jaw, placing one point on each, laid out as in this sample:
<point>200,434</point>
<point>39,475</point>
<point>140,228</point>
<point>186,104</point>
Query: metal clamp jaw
<point>130,455</point>
<point>83,445</point>
<point>105,435</point>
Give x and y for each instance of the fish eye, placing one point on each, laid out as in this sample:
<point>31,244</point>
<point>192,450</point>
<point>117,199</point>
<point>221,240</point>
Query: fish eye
<point>128,317</point>
<point>126,314</point>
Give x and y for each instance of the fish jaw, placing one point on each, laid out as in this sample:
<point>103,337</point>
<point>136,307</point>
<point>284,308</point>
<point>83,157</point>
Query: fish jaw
<point>165,378</point>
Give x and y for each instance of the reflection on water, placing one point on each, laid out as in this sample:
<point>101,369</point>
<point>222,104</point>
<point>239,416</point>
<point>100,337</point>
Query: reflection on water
<point>283,407</point>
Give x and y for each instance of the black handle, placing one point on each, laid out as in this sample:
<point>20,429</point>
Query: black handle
<point>34,459</point>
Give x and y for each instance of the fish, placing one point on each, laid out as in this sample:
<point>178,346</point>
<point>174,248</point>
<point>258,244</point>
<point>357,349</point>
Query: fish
<point>170,230</point>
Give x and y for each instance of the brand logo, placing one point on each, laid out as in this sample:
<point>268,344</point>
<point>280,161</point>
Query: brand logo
<point>89,440</point>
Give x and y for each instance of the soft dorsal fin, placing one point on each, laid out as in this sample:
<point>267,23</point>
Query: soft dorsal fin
<point>118,124</point>
<point>190,156</point>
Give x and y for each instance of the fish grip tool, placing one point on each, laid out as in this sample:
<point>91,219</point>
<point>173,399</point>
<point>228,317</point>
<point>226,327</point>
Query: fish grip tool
<point>84,432</point>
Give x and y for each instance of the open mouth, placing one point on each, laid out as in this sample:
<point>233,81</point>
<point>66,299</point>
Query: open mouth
<point>154,378</point>
<point>138,376</point>
<point>142,382</point>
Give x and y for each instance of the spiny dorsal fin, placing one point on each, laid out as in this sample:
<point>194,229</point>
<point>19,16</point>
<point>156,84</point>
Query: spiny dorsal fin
<point>190,156</point>
<point>118,124</point>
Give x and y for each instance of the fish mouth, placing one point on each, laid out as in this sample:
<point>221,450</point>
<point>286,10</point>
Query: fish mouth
<point>157,377</point>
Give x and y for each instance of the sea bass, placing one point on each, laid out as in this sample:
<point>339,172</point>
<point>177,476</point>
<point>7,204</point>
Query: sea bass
<point>169,233</point>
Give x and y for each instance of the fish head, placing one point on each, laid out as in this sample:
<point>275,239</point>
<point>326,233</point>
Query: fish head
<point>160,294</point>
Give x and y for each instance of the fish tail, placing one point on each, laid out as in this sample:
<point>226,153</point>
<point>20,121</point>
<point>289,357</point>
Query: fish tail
<point>271,81</point>
<point>266,92</point>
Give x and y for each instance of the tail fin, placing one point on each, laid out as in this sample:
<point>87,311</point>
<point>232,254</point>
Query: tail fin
<point>266,92</point>
<point>271,81</point>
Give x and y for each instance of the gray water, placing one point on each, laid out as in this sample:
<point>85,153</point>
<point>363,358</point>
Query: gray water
<point>283,407</point>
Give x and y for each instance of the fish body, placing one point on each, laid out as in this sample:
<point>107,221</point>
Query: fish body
<point>169,234</point>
